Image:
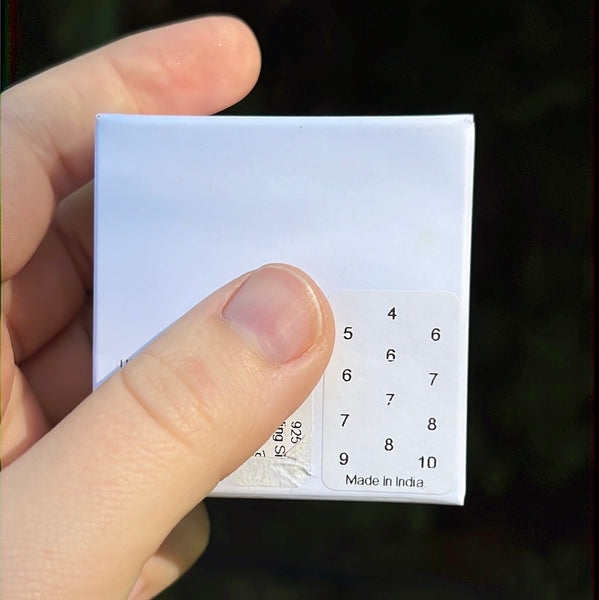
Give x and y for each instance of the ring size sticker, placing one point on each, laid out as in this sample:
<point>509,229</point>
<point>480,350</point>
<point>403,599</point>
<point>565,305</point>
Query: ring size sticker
<point>390,393</point>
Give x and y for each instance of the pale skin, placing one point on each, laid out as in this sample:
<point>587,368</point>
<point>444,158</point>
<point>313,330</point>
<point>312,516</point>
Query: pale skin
<point>101,493</point>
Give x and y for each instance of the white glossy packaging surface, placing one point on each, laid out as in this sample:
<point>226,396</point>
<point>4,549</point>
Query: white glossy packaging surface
<point>376,209</point>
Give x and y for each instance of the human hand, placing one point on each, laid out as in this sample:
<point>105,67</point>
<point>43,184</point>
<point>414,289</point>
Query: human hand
<point>100,491</point>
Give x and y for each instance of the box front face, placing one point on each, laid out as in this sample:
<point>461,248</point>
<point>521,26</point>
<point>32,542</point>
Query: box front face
<point>377,210</point>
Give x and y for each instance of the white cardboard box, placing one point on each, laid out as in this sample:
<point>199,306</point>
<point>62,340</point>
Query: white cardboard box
<point>377,209</point>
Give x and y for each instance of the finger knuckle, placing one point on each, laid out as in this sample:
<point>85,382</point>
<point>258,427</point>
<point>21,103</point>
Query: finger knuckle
<point>182,406</point>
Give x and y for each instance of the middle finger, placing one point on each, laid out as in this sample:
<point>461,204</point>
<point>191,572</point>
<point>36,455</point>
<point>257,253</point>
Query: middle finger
<point>42,299</point>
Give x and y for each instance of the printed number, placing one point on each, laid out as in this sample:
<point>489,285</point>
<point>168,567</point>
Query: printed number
<point>428,462</point>
<point>346,375</point>
<point>343,458</point>
<point>391,354</point>
<point>348,334</point>
<point>389,398</point>
<point>434,376</point>
<point>432,424</point>
<point>436,334</point>
<point>392,313</point>
<point>296,432</point>
<point>388,444</point>
<point>344,418</point>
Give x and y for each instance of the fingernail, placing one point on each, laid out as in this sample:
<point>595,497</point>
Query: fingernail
<point>277,311</point>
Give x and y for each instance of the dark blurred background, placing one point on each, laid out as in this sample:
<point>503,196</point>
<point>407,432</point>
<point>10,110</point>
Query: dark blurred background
<point>524,69</point>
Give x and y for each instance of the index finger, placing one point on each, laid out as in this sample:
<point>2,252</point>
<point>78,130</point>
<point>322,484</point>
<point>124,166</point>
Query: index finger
<point>196,67</point>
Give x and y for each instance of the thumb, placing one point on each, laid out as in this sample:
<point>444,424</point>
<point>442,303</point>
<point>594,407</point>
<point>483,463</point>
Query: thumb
<point>93,500</point>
